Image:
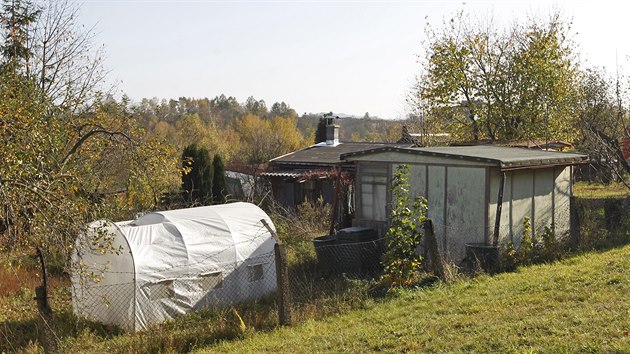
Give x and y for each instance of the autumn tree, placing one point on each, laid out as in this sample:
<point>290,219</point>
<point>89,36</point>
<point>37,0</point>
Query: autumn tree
<point>135,167</point>
<point>603,118</point>
<point>482,83</point>
<point>264,139</point>
<point>281,109</point>
<point>59,165</point>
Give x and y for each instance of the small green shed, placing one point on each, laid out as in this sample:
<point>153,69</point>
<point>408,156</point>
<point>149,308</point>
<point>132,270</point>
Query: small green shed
<point>464,186</point>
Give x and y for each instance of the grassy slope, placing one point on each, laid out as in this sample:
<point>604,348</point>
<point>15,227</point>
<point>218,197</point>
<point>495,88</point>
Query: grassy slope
<point>581,304</point>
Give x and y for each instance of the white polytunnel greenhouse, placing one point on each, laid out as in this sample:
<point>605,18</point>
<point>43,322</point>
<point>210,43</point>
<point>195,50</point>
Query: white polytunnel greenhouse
<point>136,273</point>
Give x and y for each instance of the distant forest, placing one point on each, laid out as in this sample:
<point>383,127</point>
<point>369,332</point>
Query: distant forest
<point>223,112</point>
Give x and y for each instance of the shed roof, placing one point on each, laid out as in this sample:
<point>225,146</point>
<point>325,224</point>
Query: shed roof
<point>506,158</point>
<point>326,155</point>
<point>283,173</point>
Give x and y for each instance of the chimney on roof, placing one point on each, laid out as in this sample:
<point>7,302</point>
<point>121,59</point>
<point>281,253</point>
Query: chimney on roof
<point>332,131</point>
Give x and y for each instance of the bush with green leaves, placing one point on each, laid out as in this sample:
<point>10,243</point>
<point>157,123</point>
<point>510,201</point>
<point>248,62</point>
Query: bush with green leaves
<point>401,261</point>
<point>540,248</point>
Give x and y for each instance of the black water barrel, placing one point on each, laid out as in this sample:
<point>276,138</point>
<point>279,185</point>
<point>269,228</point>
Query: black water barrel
<point>325,249</point>
<point>358,251</point>
<point>482,256</point>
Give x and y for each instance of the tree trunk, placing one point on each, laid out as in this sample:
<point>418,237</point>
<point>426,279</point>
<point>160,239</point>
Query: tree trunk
<point>47,333</point>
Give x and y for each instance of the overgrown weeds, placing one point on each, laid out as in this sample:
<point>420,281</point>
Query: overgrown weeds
<point>297,228</point>
<point>598,233</point>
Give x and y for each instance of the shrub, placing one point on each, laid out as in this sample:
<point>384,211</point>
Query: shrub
<point>401,261</point>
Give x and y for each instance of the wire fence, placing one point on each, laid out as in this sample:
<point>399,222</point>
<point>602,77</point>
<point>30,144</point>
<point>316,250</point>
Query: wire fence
<point>152,282</point>
<point>336,263</point>
<point>140,303</point>
<point>328,273</point>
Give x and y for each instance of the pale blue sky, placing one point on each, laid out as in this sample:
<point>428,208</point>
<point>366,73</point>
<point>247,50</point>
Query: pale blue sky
<point>342,56</point>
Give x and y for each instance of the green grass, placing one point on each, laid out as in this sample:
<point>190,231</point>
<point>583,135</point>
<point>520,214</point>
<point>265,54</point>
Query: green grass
<point>596,190</point>
<point>578,305</point>
<point>581,304</point>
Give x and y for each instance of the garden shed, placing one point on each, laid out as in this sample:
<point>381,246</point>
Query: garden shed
<point>464,186</point>
<point>135,273</point>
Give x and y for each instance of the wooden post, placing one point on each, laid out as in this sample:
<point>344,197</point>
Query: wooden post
<point>497,221</point>
<point>282,279</point>
<point>437,264</point>
<point>574,228</point>
<point>45,311</point>
<point>337,191</point>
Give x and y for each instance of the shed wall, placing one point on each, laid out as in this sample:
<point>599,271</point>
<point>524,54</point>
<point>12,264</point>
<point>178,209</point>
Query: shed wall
<point>562,196</point>
<point>543,199</point>
<point>455,196</point>
<point>436,201</point>
<point>505,228</point>
<point>465,209</point>
<point>522,190</point>
<point>541,195</point>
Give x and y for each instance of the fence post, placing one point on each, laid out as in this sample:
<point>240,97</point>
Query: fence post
<point>574,220</point>
<point>282,279</point>
<point>45,311</point>
<point>437,265</point>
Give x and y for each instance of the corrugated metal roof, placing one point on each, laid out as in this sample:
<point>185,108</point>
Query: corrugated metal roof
<point>283,173</point>
<point>504,157</point>
<point>326,155</point>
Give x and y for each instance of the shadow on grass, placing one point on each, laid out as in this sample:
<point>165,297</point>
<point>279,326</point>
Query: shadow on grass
<point>18,335</point>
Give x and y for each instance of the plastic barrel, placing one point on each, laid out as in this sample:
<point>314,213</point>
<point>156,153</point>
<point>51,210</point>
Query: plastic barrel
<point>358,250</point>
<point>325,250</point>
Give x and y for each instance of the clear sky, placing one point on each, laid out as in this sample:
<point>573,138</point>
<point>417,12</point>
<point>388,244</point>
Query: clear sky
<point>343,56</point>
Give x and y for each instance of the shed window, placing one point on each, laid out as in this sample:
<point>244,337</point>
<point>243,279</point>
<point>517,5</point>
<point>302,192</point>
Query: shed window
<point>373,184</point>
<point>255,272</point>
